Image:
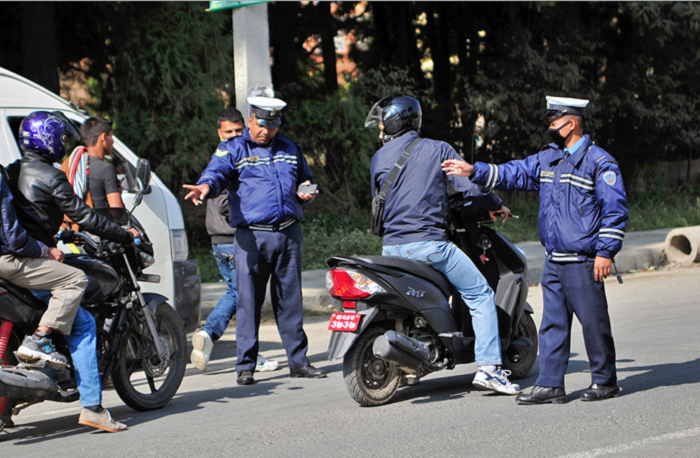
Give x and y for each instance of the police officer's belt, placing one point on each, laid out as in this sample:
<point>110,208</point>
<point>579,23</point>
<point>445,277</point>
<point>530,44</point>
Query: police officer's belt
<point>272,227</point>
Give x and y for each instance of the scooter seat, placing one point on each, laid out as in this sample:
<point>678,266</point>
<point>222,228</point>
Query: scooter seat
<point>412,267</point>
<point>23,295</point>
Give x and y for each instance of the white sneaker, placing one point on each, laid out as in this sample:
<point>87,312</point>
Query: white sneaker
<point>266,365</point>
<point>201,350</point>
<point>495,381</point>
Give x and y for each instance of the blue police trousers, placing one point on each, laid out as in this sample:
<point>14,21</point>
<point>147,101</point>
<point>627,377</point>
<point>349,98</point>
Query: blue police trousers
<point>568,289</point>
<point>261,257</point>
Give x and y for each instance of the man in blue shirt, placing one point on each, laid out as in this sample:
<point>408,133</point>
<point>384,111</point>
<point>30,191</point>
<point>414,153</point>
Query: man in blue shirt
<point>416,219</point>
<point>263,172</point>
<point>583,212</point>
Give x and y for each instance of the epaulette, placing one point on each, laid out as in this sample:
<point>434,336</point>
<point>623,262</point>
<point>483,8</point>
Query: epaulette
<point>600,156</point>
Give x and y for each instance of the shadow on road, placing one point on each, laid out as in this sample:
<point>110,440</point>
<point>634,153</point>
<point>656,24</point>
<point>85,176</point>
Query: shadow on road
<point>67,425</point>
<point>661,375</point>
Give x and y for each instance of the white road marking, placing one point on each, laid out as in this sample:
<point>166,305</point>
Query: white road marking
<point>635,444</point>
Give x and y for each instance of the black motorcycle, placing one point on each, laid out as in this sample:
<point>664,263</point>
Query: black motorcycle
<point>397,323</point>
<point>141,342</point>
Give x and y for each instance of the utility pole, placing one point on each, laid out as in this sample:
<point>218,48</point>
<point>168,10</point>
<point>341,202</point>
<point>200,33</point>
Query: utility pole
<point>251,47</point>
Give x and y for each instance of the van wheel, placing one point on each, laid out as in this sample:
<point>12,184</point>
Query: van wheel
<point>370,380</point>
<point>520,361</point>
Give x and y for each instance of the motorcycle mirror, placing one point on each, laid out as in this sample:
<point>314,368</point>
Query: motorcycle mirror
<point>137,201</point>
<point>143,174</point>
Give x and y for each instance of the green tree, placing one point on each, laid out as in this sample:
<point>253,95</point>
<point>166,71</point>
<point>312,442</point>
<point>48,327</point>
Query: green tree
<point>172,73</point>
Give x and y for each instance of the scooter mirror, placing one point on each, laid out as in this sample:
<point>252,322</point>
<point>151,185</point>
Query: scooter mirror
<point>143,174</point>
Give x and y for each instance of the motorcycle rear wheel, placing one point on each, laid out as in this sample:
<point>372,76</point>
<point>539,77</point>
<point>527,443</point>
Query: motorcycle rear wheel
<point>370,381</point>
<point>136,379</point>
<point>7,404</point>
<point>520,365</point>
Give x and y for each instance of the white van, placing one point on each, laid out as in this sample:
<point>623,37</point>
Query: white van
<point>160,213</point>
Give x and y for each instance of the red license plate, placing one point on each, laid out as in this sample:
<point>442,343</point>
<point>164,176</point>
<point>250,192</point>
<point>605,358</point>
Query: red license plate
<point>344,322</point>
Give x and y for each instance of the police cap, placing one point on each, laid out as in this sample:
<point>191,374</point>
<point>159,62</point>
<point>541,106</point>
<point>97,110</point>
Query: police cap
<point>266,110</point>
<point>560,106</point>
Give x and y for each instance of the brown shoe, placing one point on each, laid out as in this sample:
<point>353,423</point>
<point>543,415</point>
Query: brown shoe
<point>101,420</point>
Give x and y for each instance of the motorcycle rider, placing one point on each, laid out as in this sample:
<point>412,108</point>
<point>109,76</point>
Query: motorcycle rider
<point>42,196</point>
<point>416,219</point>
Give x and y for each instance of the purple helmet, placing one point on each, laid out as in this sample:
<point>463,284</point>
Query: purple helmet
<point>47,134</point>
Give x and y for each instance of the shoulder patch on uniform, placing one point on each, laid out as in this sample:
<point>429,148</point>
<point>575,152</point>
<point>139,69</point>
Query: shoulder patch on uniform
<point>610,178</point>
<point>221,152</point>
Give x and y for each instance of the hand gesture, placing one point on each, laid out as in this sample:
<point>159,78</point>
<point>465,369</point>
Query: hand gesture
<point>197,192</point>
<point>457,167</point>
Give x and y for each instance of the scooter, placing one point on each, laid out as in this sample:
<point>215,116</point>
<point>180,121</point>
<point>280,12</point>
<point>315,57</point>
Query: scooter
<point>398,325</point>
<point>141,341</point>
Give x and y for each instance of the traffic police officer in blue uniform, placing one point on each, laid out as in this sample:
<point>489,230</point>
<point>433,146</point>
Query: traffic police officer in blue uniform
<point>262,171</point>
<point>582,217</point>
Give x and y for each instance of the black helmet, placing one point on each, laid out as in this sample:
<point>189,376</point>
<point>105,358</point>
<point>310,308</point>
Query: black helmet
<point>398,114</point>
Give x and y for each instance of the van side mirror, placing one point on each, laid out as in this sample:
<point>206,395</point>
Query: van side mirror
<point>143,174</point>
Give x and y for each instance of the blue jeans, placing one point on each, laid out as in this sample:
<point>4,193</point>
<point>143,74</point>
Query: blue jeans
<point>82,344</point>
<point>471,285</point>
<point>218,320</point>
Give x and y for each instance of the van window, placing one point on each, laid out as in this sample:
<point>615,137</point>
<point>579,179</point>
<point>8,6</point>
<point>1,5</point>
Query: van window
<point>125,171</point>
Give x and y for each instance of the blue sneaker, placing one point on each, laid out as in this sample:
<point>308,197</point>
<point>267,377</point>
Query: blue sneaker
<point>495,381</point>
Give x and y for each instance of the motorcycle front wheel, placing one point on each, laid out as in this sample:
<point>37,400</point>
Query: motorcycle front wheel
<point>370,380</point>
<point>143,381</point>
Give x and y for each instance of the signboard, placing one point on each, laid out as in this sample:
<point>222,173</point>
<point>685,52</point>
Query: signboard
<point>229,4</point>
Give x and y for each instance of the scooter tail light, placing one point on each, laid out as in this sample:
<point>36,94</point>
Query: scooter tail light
<point>348,284</point>
<point>349,304</point>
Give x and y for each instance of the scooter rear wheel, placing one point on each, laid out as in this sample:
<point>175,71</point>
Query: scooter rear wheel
<point>370,380</point>
<point>520,364</point>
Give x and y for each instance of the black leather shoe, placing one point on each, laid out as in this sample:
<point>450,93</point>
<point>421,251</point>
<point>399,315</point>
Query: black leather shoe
<point>307,372</point>
<point>245,378</point>
<point>542,395</point>
<point>599,392</point>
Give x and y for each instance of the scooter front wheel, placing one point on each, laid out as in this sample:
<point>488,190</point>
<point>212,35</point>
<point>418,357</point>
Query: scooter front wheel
<point>370,380</point>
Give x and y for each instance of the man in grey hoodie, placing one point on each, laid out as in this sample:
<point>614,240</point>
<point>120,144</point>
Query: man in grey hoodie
<point>230,125</point>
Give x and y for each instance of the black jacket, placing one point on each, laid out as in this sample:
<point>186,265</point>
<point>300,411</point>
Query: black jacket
<point>43,195</point>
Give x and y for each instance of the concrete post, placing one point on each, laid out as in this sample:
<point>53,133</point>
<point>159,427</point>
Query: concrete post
<point>251,51</point>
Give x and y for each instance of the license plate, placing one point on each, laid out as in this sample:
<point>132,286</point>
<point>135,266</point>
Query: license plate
<point>344,322</point>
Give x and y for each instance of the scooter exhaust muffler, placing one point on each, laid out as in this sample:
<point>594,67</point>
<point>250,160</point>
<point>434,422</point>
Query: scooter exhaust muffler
<point>401,350</point>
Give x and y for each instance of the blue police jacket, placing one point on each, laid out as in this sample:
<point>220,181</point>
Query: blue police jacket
<point>583,206</point>
<point>13,238</point>
<point>416,208</point>
<point>262,181</point>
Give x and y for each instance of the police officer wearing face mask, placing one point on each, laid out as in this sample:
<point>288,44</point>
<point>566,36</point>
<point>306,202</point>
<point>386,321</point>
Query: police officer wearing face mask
<point>583,212</point>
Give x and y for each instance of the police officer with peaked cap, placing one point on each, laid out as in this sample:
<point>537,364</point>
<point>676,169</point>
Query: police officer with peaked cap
<point>262,171</point>
<point>583,212</point>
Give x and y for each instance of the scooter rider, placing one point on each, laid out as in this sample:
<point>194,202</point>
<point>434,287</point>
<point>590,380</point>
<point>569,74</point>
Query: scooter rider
<point>583,213</point>
<point>42,196</point>
<point>416,219</point>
